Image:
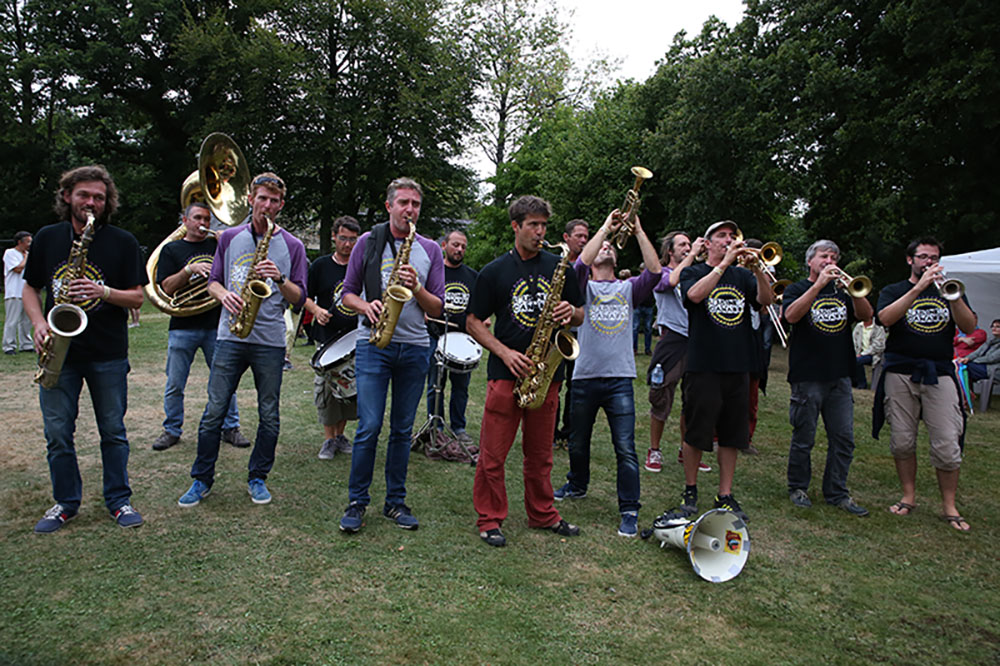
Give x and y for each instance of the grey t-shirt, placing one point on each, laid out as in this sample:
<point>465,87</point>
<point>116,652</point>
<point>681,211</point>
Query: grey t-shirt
<point>606,332</point>
<point>670,311</point>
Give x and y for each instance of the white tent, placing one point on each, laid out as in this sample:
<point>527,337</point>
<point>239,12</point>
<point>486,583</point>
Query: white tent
<point>980,271</point>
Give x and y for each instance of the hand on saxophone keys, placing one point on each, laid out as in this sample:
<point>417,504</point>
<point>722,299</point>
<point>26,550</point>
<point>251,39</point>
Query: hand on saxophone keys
<point>409,278</point>
<point>268,269</point>
<point>563,312</point>
<point>232,302</point>
<point>84,289</point>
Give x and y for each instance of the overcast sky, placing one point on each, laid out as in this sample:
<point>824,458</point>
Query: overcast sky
<point>635,32</point>
<point>639,32</point>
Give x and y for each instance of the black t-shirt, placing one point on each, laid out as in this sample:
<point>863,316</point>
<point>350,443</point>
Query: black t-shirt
<point>458,283</point>
<point>326,288</point>
<point>925,330</point>
<point>822,348</point>
<point>719,330</point>
<point>175,256</point>
<point>513,291</point>
<point>113,259</point>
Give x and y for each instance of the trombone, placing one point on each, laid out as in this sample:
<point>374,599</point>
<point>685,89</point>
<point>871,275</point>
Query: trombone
<point>856,287</point>
<point>768,256</point>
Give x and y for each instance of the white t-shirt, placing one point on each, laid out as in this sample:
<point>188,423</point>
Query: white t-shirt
<point>13,281</point>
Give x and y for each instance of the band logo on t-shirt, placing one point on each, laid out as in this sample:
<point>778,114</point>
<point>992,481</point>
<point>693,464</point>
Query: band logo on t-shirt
<point>90,272</point>
<point>828,315</point>
<point>338,301</point>
<point>726,305</point>
<point>199,259</point>
<point>241,267</point>
<point>928,315</point>
<point>527,300</point>
<point>608,313</point>
<point>456,298</point>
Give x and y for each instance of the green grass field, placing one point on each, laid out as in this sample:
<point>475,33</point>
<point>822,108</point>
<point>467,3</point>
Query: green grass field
<point>230,582</point>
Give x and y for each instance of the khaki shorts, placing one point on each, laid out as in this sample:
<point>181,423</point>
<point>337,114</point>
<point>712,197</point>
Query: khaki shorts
<point>906,402</point>
<point>332,410</point>
<point>661,400</point>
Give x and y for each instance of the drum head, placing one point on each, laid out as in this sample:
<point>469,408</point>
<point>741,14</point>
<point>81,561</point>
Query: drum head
<point>461,352</point>
<point>335,350</point>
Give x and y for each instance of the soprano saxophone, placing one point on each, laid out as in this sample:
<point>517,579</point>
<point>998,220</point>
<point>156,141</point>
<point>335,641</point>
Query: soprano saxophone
<point>255,290</point>
<point>66,320</point>
<point>546,351</point>
<point>395,296</point>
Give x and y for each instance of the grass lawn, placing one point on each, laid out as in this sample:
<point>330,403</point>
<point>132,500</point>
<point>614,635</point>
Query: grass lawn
<point>230,582</point>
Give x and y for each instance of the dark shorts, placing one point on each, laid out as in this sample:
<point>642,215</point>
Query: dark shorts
<point>717,405</point>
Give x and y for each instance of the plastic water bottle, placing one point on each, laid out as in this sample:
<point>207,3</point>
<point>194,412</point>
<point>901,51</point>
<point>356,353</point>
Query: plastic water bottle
<point>656,377</point>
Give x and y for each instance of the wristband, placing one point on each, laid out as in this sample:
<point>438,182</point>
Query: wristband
<point>187,269</point>
<point>280,280</point>
<point>718,271</point>
<point>107,293</point>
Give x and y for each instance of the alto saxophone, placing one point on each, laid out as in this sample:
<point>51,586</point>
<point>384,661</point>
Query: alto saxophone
<point>66,320</point>
<point>254,291</point>
<point>545,351</point>
<point>395,296</point>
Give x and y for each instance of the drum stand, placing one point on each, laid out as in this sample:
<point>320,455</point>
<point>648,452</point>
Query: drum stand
<point>436,423</point>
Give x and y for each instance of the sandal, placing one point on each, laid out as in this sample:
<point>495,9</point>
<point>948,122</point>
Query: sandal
<point>956,523</point>
<point>902,508</point>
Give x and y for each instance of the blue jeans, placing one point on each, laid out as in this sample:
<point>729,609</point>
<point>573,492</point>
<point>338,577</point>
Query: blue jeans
<point>405,365</point>
<point>615,396</point>
<point>459,391</point>
<point>642,321</point>
<point>60,406</point>
<point>181,347</point>
<point>231,360</point>
<point>834,401</point>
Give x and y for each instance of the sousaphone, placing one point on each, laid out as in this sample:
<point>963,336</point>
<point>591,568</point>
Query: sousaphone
<point>223,182</point>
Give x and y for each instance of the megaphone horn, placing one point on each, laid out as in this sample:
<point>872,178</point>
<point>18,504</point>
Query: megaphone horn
<point>717,543</point>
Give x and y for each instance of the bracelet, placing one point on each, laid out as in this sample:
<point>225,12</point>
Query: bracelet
<point>107,293</point>
<point>718,271</point>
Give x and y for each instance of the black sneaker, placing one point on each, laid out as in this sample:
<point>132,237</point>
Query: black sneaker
<point>493,537</point>
<point>729,503</point>
<point>689,501</point>
<point>562,528</point>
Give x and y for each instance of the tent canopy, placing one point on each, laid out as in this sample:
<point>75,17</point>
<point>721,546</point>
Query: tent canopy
<point>980,272</point>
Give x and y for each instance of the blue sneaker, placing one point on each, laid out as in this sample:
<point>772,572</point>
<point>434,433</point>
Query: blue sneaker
<point>570,491</point>
<point>352,520</point>
<point>196,493</point>
<point>258,491</point>
<point>127,516</point>
<point>629,526</point>
<point>53,519</point>
<point>402,515</point>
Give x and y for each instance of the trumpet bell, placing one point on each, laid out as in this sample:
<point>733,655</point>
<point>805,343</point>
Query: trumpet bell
<point>224,178</point>
<point>642,172</point>
<point>859,287</point>
<point>951,289</point>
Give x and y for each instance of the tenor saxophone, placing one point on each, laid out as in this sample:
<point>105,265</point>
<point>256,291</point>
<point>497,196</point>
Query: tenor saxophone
<point>395,296</point>
<point>66,320</point>
<point>255,291</point>
<point>546,350</point>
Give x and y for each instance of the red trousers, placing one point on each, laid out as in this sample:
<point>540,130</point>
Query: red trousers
<point>497,432</point>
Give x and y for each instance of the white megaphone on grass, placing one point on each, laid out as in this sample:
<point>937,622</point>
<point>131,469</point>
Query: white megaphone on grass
<point>717,543</point>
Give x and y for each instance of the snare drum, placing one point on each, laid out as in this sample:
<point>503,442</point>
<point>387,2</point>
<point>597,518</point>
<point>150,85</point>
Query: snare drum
<point>334,362</point>
<point>461,353</point>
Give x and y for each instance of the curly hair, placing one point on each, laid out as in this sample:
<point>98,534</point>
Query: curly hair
<point>70,179</point>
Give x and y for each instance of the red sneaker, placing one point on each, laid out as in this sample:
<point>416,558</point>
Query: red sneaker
<point>654,460</point>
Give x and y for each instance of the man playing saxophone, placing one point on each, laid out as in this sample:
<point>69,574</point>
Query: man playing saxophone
<point>184,265</point>
<point>514,288</point>
<point>391,253</point>
<point>105,278</point>
<point>279,260</point>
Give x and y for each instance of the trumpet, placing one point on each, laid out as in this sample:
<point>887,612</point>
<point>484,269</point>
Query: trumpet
<point>856,287</point>
<point>630,208</point>
<point>950,289</point>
